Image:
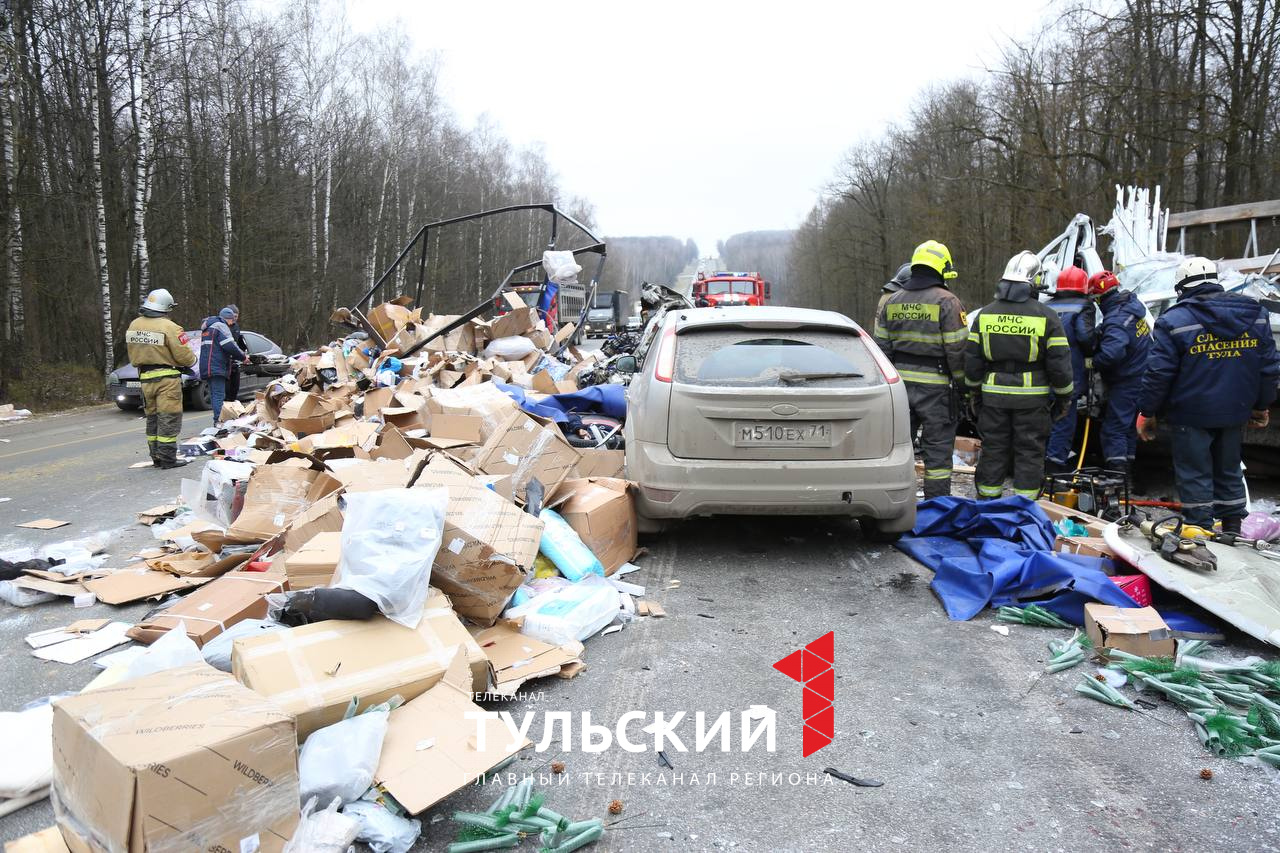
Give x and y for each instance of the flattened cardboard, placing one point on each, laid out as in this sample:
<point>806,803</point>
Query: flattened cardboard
<point>431,748</point>
<point>390,317</point>
<point>1136,630</point>
<point>487,546</point>
<point>313,671</point>
<point>185,759</point>
<point>64,588</point>
<point>526,448</point>
<point>159,513</point>
<point>315,562</point>
<point>602,512</point>
<point>374,476</point>
<point>464,427</point>
<point>81,648</point>
<point>45,841</point>
<point>43,524</point>
<point>1085,546</point>
<point>323,516</point>
<point>214,608</point>
<point>515,322</point>
<point>515,658</point>
<point>136,583</point>
<point>391,445</point>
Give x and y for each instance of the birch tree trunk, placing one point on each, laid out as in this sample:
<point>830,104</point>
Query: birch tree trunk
<point>11,317</point>
<point>100,221</point>
<point>142,169</point>
<point>225,109</point>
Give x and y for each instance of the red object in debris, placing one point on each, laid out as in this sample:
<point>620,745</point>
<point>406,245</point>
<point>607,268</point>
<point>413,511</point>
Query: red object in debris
<point>256,566</point>
<point>1137,587</point>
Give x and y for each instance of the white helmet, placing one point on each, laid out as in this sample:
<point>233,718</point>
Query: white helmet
<point>159,300</point>
<point>1193,272</point>
<point>1024,266</point>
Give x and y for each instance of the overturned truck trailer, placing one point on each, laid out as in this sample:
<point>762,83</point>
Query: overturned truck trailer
<point>559,298</point>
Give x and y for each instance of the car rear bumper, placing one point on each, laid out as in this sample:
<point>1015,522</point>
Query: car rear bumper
<point>678,488</point>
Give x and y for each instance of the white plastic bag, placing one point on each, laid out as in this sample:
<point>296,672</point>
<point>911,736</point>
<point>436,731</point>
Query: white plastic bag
<point>389,541</point>
<point>380,829</point>
<point>216,497</point>
<point>217,652</point>
<point>172,650</point>
<point>561,267</point>
<point>27,741</point>
<point>324,831</point>
<point>509,349</point>
<point>568,611</point>
<point>339,761</point>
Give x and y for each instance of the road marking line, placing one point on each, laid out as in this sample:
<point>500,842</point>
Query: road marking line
<point>69,443</point>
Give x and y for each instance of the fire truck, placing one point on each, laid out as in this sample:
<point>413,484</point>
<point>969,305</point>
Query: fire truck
<point>729,288</point>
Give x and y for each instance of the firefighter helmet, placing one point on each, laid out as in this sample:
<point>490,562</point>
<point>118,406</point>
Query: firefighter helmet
<point>1024,266</point>
<point>159,300</point>
<point>1193,272</point>
<point>936,257</point>
<point>1101,282</point>
<point>1071,280</point>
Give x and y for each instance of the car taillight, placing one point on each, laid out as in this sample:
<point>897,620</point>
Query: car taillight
<point>666,356</point>
<point>887,370</point>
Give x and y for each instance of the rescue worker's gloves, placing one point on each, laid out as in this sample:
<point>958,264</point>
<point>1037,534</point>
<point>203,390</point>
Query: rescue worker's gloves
<point>1061,408</point>
<point>1260,418</point>
<point>1146,428</point>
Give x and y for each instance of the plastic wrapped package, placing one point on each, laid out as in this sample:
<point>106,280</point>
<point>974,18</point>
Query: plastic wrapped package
<point>509,349</point>
<point>326,831</point>
<point>221,490</point>
<point>562,545</point>
<point>561,267</point>
<point>337,762</point>
<point>1260,525</point>
<point>172,650</point>
<point>383,831</point>
<point>567,611</point>
<point>22,597</point>
<point>485,401</point>
<point>27,738</point>
<point>389,542</point>
<point>217,652</point>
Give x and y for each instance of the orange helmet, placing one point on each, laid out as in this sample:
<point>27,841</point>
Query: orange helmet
<point>1101,282</point>
<point>1071,280</point>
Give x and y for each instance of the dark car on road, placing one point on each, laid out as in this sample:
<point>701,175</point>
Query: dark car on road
<point>124,389</point>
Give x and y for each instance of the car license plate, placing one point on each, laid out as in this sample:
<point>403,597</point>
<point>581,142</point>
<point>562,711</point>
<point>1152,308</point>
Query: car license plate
<point>774,434</point>
<point>133,384</point>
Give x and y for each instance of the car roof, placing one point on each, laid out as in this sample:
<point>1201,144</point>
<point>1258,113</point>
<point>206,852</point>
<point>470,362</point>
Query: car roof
<point>762,315</point>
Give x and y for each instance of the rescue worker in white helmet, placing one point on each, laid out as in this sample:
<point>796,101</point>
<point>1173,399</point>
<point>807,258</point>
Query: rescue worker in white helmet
<point>922,329</point>
<point>1019,361</point>
<point>158,348</point>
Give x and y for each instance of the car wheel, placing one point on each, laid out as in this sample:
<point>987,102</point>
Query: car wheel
<point>875,531</point>
<point>127,407</point>
<point>651,526</point>
<point>198,397</point>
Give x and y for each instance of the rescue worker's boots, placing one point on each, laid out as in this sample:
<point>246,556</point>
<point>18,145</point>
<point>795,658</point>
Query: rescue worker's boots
<point>1232,525</point>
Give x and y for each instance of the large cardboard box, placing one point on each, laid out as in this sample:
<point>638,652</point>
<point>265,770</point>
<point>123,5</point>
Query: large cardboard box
<point>431,748</point>
<point>523,448</point>
<point>389,318</point>
<point>484,401</point>
<point>305,414</point>
<point>603,514</point>
<point>599,462</point>
<point>185,759</point>
<point>517,321</point>
<point>214,607</point>
<point>313,671</point>
<point>278,494</point>
<point>1136,630</point>
<point>488,542</point>
<point>323,516</point>
<point>1085,546</point>
<point>314,563</point>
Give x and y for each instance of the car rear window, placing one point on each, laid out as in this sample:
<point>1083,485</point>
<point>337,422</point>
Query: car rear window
<point>767,358</point>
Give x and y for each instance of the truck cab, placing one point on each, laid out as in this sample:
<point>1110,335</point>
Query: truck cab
<point>721,289</point>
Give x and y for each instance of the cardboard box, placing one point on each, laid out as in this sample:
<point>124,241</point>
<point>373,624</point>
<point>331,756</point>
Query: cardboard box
<point>410,413</point>
<point>390,317</point>
<point>967,450</point>
<point>214,607</point>
<point>1136,630</point>
<point>602,512</point>
<point>375,476</point>
<point>313,671</point>
<point>484,401</point>
<point>278,494</point>
<point>431,749</point>
<point>1057,512</point>
<point>526,448</point>
<point>598,462</point>
<point>315,562</point>
<point>305,413</point>
<point>461,427</point>
<point>517,321</point>
<point>185,759</point>
<point>514,658</point>
<point>1085,546</point>
<point>323,516</point>
<point>45,841</point>
<point>488,543</point>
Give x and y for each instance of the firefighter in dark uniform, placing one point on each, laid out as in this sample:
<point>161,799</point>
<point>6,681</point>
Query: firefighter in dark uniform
<point>1078,321</point>
<point>158,349</point>
<point>1019,360</point>
<point>1124,341</point>
<point>922,329</point>
<point>1212,369</point>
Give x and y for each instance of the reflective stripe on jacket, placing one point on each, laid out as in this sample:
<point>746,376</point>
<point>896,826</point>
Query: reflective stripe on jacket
<point>923,332</point>
<point>1017,351</point>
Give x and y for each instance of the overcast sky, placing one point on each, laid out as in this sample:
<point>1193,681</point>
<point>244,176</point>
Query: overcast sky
<point>698,118</point>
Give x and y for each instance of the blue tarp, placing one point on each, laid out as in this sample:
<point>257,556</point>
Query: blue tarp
<point>1000,552</point>
<point>609,400</point>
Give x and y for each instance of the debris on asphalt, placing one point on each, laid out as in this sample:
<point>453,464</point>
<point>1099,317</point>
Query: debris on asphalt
<point>10,412</point>
<point>853,780</point>
<point>43,524</point>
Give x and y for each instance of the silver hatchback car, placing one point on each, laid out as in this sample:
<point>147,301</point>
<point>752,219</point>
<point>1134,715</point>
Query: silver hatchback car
<point>769,411</point>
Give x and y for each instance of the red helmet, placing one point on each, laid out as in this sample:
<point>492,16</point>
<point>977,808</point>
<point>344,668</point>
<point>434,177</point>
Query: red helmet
<point>1071,280</point>
<point>1101,282</point>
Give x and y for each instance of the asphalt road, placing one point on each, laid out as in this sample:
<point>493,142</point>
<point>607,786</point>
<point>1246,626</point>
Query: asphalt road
<point>973,749</point>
